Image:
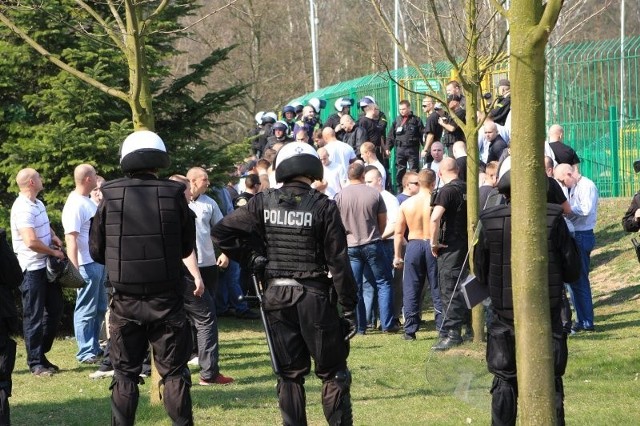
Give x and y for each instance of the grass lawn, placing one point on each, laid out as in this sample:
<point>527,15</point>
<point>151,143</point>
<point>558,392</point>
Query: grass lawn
<point>394,382</point>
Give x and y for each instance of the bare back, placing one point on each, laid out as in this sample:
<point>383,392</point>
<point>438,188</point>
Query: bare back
<point>416,212</point>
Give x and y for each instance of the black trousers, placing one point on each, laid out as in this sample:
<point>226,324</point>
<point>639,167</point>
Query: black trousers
<point>406,155</point>
<point>450,262</point>
<point>7,364</point>
<point>501,362</point>
<point>136,322</point>
<point>305,325</point>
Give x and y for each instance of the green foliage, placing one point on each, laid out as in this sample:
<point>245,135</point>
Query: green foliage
<point>51,121</point>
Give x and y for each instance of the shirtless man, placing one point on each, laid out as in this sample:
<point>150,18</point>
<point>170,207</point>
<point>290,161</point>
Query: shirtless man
<point>419,261</point>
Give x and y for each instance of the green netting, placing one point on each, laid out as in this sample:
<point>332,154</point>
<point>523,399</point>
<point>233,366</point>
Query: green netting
<point>583,90</point>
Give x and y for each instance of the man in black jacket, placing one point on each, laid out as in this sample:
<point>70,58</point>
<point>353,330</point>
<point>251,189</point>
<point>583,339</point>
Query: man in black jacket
<point>300,232</point>
<point>406,135</point>
<point>142,230</point>
<point>494,245</point>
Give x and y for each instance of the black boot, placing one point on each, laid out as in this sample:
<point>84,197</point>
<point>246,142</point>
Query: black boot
<point>453,339</point>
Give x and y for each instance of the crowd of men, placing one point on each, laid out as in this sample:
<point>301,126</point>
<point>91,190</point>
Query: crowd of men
<point>312,199</point>
<point>399,246</point>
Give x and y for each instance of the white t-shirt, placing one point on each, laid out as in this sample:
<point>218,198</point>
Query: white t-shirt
<point>340,153</point>
<point>207,214</point>
<point>76,217</point>
<point>29,214</point>
<point>335,175</point>
<point>382,170</point>
<point>393,207</point>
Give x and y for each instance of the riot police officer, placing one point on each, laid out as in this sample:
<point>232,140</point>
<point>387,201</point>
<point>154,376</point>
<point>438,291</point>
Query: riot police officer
<point>300,232</point>
<point>142,230</point>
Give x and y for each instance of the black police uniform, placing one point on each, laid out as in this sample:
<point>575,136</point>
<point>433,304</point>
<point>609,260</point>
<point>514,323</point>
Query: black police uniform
<point>406,135</point>
<point>301,233</point>
<point>142,230</point>
<point>449,138</point>
<point>453,197</point>
<point>375,130</point>
<point>501,110</point>
<point>629,222</point>
<point>10,279</point>
<point>333,121</point>
<point>492,259</point>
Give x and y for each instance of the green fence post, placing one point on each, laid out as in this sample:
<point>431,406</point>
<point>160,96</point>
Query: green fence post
<point>393,110</point>
<point>614,139</point>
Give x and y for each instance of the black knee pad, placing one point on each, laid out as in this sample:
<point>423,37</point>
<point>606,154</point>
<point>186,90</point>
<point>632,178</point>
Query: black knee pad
<point>337,401</point>
<point>184,375</point>
<point>124,380</point>
<point>343,379</point>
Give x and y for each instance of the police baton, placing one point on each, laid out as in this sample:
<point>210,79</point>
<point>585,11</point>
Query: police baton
<point>267,330</point>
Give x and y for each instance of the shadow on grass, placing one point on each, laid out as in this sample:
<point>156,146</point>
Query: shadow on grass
<point>605,257</point>
<point>618,296</point>
<point>610,234</point>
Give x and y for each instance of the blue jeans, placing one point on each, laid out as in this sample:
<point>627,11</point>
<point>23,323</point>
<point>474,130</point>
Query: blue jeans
<point>369,292</point>
<point>581,290</point>
<point>229,290</point>
<point>91,306</point>
<point>370,259</point>
<point>42,309</point>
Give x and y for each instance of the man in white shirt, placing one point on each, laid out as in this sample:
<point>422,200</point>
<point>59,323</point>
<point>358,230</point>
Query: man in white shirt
<point>437,152</point>
<point>207,214</point>
<point>91,301</point>
<point>333,178</point>
<point>33,240</point>
<point>583,200</point>
<point>373,178</point>
<point>368,154</point>
<point>339,152</point>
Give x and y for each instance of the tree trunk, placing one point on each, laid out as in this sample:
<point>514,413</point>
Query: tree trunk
<point>529,264</point>
<point>471,74</point>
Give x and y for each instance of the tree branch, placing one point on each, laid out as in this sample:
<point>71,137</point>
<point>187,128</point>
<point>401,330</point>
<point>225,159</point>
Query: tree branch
<point>91,11</point>
<point>548,20</point>
<point>500,8</point>
<point>117,17</point>
<point>443,41</point>
<point>61,64</point>
<point>405,53</point>
<point>145,22</point>
<point>229,4</point>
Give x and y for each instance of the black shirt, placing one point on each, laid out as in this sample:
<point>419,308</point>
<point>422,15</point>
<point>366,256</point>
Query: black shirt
<point>555,194</point>
<point>432,126</point>
<point>564,153</point>
<point>453,197</point>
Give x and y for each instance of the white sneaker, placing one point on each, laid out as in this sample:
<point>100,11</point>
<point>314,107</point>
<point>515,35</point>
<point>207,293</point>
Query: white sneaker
<point>101,374</point>
<point>193,362</point>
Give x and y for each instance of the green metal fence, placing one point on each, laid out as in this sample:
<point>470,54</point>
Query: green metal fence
<point>583,89</point>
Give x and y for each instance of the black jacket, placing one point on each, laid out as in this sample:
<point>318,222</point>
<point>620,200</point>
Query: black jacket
<point>243,233</point>
<point>492,256</point>
<point>629,222</point>
<point>406,132</point>
<point>142,230</point>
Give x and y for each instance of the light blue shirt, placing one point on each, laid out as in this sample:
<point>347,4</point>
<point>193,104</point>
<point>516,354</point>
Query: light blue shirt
<point>583,200</point>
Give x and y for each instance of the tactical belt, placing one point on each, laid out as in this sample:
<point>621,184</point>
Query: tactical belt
<point>293,282</point>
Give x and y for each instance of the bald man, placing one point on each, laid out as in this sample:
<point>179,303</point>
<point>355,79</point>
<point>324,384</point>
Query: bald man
<point>563,154</point>
<point>449,215</point>
<point>583,200</point>
<point>33,240</point>
<point>91,300</point>
<point>418,261</point>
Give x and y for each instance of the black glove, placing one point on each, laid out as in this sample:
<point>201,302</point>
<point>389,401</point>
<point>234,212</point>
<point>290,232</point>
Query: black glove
<point>258,264</point>
<point>349,324</point>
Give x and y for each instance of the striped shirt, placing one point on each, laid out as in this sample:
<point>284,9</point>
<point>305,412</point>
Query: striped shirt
<point>29,214</point>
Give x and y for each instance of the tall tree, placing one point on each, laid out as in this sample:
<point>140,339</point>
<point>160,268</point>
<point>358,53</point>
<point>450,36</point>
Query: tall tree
<point>531,23</point>
<point>474,22</point>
